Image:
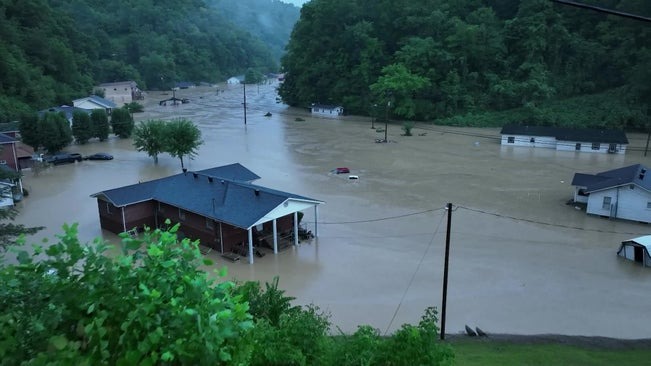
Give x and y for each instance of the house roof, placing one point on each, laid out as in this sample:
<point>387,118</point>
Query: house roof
<point>633,174</point>
<point>131,83</point>
<point>184,84</point>
<point>326,106</point>
<point>97,100</point>
<point>645,241</point>
<point>569,134</point>
<point>6,139</point>
<point>224,194</point>
<point>66,109</point>
<point>9,126</point>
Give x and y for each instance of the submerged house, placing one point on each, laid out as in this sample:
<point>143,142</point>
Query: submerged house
<point>121,92</point>
<point>565,139</point>
<point>637,250</point>
<point>95,102</point>
<point>219,206</point>
<point>327,110</point>
<point>623,193</point>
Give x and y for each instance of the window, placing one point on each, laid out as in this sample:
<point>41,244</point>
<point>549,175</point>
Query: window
<point>181,215</point>
<point>648,205</point>
<point>108,208</point>
<point>596,146</point>
<point>511,140</point>
<point>209,224</point>
<point>577,146</point>
<point>532,140</point>
<point>606,203</point>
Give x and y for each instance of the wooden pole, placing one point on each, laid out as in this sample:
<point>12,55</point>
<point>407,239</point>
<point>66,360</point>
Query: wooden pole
<point>445,271</point>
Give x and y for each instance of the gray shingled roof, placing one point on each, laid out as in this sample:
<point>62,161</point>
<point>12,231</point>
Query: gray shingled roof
<point>224,195</point>
<point>633,174</point>
<point>6,139</point>
<point>569,134</point>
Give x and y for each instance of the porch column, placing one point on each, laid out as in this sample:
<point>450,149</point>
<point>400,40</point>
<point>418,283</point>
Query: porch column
<point>124,221</point>
<point>316,219</point>
<point>275,237</point>
<point>296,228</point>
<point>250,246</point>
<point>221,238</point>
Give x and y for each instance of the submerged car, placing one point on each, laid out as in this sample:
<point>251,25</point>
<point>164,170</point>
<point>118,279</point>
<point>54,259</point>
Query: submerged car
<point>63,158</point>
<point>99,156</point>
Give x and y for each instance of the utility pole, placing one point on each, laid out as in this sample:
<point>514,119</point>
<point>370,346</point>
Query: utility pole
<point>244,84</point>
<point>386,121</point>
<point>374,116</point>
<point>445,271</point>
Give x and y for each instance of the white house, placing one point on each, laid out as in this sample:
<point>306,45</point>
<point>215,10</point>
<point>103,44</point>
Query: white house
<point>565,139</point>
<point>121,92</point>
<point>327,110</point>
<point>65,109</point>
<point>623,193</point>
<point>94,102</point>
<point>235,80</point>
<point>637,250</point>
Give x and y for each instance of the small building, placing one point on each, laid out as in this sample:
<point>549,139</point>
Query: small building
<point>565,139</point>
<point>233,80</point>
<point>185,85</point>
<point>67,110</point>
<point>219,206</point>
<point>623,193</point>
<point>637,250</point>
<point>327,110</point>
<point>121,92</point>
<point>95,102</point>
<point>24,152</point>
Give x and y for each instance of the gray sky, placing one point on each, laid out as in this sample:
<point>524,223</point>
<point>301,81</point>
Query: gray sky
<point>295,2</point>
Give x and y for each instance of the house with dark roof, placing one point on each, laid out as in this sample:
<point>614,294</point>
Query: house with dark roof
<point>326,110</point>
<point>566,139</point>
<point>623,193</point>
<point>67,110</point>
<point>219,206</point>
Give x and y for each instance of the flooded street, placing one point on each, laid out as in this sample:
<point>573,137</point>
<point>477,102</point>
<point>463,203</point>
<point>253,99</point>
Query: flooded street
<point>521,260</point>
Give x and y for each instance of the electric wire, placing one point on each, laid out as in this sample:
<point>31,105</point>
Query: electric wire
<point>381,218</point>
<point>413,275</point>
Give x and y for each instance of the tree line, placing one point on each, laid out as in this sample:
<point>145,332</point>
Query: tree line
<point>54,51</point>
<point>432,60</point>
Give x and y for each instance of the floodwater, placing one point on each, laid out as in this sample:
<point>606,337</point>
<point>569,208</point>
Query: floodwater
<point>521,260</point>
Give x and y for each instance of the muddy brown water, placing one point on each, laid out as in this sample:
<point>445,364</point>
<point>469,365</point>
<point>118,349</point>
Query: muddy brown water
<point>521,260</point>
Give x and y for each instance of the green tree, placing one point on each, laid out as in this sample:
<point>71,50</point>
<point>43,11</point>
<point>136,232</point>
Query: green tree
<point>29,130</point>
<point>122,122</point>
<point>81,128</point>
<point>401,84</point>
<point>10,232</point>
<point>100,124</point>
<point>150,305</point>
<point>182,138</point>
<point>149,136</point>
<point>253,76</point>
<point>55,132</point>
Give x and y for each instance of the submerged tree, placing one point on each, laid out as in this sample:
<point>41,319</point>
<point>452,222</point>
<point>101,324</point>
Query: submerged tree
<point>55,132</point>
<point>81,128</point>
<point>149,136</point>
<point>100,124</point>
<point>182,138</point>
<point>122,122</point>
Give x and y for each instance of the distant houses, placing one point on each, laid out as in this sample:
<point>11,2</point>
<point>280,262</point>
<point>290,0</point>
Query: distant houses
<point>121,92</point>
<point>623,193</point>
<point>565,139</point>
<point>327,110</point>
<point>233,80</point>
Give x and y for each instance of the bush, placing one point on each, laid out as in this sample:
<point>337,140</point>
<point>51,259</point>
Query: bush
<point>406,128</point>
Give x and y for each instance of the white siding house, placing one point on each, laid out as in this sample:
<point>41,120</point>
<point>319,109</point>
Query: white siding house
<point>565,139</point>
<point>623,193</point>
<point>94,102</point>
<point>327,110</point>
<point>233,80</point>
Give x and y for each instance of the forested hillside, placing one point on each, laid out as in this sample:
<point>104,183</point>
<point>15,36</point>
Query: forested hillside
<point>440,58</point>
<point>52,51</point>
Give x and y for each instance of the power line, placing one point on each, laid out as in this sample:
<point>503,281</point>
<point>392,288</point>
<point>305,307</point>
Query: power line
<point>381,218</point>
<point>603,10</point>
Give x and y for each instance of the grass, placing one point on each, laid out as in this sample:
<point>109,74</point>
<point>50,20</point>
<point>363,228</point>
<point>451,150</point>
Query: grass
<point>469,353</point>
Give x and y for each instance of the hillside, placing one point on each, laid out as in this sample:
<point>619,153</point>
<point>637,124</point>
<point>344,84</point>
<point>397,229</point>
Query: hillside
<point>440,59</point>
<point>52,51</point>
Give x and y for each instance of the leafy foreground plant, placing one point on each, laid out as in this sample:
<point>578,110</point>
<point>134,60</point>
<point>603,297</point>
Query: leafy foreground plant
<point>151,305</point>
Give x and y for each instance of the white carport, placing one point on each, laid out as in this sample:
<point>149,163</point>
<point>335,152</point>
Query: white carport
<point>637,250</point>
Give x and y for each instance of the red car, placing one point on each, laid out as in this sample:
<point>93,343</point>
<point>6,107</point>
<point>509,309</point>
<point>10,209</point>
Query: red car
<point>342,170</point>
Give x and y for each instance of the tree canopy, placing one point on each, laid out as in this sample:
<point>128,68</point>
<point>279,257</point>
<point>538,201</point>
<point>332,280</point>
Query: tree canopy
<point>451,57</point>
